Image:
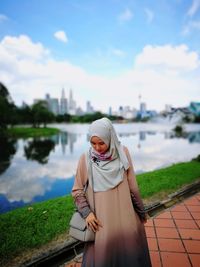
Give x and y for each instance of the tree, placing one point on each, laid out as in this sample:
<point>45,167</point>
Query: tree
<point>40,114</point>
<point>6,107</point>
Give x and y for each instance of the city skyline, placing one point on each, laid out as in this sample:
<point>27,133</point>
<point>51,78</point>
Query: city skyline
<point>109,52</point>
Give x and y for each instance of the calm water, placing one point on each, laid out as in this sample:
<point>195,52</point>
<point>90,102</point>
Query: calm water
<point>38,169</point>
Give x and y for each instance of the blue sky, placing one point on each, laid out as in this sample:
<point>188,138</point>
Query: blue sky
<point>108,52</point>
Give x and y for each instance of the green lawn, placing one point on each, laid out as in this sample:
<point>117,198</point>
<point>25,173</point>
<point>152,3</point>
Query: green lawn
<point>168,179</point>
<point>31,132</point>
<point>34,225</point>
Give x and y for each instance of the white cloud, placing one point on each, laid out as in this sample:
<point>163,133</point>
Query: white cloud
<point>3,17</point>
<point>177,58</point>
<point>126,15</point>
<point>61,36</point>
<point>150,15</point>
<point>162,74</point>
<point>23,48</point>
<point>194,8</point>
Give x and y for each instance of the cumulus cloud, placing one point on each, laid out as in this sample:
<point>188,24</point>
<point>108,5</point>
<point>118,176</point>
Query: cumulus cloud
<point>61,36</point>
<point>126,15</point>
<point>150,15</point>
<point>22,47</point>
<point>160,71</point>
<point>168,57</point>
<point>194,8</point>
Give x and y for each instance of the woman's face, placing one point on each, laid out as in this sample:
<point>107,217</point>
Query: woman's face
<point>98,145</point>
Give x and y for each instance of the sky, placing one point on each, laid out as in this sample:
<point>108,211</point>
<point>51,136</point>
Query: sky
<point>110,52</point>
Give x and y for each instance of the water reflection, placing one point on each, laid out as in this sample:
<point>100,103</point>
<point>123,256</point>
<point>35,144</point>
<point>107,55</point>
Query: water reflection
<point>7,151</point>
<point>38,169</point>
<point>39,150</point>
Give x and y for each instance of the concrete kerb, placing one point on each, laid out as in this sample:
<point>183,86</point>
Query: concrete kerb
<point>70,249</point>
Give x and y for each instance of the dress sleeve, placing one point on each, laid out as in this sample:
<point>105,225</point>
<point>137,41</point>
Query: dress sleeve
<point>134,190</point>
<point>78,188</point>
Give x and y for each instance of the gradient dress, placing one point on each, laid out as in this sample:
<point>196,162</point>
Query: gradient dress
<point>121,242</point>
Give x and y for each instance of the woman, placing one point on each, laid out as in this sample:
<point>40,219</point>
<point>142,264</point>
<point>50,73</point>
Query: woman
<point>119,215</point>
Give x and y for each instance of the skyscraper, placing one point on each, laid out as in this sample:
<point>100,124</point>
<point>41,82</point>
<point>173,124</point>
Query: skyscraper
<point>72,104</point>
<point>63,103</point>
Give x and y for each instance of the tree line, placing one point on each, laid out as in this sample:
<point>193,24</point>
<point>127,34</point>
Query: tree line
<point>37,114</point>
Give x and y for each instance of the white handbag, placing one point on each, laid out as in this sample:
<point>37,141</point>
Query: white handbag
<point>78,229</point>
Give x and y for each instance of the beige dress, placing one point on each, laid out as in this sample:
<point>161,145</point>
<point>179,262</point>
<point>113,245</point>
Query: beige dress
<point>121,242</point>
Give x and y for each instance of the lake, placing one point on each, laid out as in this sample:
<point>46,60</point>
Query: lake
<point>33,170</point>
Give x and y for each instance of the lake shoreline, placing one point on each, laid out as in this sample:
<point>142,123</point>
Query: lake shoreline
<point>27,132</point>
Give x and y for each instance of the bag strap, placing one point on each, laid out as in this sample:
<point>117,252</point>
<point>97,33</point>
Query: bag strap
<point>89,164</point>
<point>92,179</point>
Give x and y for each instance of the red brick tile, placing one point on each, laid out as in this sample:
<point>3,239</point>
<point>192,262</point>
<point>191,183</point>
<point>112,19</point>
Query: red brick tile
<point>175,259</point>
<point>195,215</point>
<point>152,243</point>
<point>198,222</point>
<point>164,215</point>
<point>195,259</point>
<point>194,208</point>
<point>149,223</point>
<point>167,232</point>
<point>191,202</point>
<point>192,246</point>
<point>164,223</point>
<point>171,245</point>
<point>190,234</point>
<point>150,231</point>
<point>179,208</point>
<point>155,259</point>
<point>186,224</point>
<point>181,215</point>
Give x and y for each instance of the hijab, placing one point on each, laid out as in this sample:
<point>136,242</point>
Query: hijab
<point>108,168</point>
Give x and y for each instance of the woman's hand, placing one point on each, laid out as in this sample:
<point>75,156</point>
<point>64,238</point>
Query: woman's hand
<point>93,222</point>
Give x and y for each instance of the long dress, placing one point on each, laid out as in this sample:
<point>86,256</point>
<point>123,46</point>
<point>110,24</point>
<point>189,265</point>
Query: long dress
<point>121,242</point>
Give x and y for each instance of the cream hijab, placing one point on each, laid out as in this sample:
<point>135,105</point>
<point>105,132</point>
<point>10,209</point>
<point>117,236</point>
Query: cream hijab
<point>107,174</point>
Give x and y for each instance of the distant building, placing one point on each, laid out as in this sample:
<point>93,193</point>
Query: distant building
<point>143,107</point>
<point>63,103</point>
<point>121,111</point>
<point>110,111</point>
<point>53,104</point>
<point>89,107</point>
<point>72,104</point>
<point>79,111</point>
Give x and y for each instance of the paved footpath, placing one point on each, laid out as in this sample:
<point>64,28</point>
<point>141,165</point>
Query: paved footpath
<point>173,236</point>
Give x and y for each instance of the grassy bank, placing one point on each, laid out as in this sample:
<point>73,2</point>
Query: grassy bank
<point>32,226</point>
<point>167,180</point>
<point>31,132</point>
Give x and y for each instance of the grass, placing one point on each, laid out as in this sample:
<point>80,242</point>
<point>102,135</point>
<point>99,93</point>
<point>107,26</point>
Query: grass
<point>33,226</point>
<point>168,179</point>
<point>31,132</point>
<point>38,224</point>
